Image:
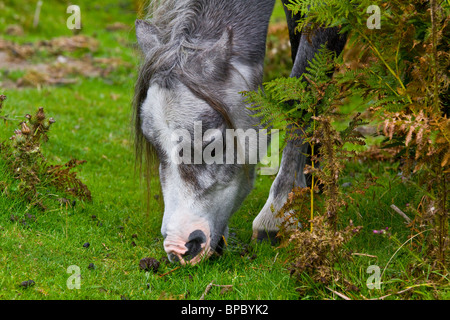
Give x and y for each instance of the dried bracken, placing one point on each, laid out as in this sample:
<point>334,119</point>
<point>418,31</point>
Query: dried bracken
<point>54,46</point>
<point>402,83</point>
<point>315,252</point>
<point>59,68</point>
<point>422,129</point>
<point>332,155</point>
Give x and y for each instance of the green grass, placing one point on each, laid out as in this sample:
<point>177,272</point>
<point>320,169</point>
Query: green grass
<point>278,14</point>
<point>91,125</point>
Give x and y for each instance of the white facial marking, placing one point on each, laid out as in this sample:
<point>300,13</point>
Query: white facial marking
<point>188,209</point>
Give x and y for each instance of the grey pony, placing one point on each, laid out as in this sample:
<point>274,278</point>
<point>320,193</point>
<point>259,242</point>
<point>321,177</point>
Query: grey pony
<point>198,56</point>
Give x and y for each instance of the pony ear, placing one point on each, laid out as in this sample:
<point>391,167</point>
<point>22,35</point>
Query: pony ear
<point>223,47</point>
<point>214,61</point>
<point>147,35</point>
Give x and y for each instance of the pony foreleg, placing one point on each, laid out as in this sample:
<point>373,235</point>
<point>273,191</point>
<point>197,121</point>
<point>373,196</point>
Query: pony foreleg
<point>295,154</point>
<point>290,175</point>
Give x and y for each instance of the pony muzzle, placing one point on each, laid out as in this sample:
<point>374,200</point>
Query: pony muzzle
<point>187,251</point>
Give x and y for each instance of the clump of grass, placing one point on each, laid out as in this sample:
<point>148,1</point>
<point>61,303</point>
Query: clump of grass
<point>24,159</point>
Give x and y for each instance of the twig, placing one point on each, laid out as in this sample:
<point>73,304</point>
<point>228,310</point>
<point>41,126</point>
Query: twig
<point>225,288</point>
<point>363,254</point>
<point>276,256</point>
<point>400,212</point>
<point>164,274</point>
<point>208,288</point>
<point>223,285</point>
<point>37,14</point>
<point>402,291</point>
<point>343,296</point>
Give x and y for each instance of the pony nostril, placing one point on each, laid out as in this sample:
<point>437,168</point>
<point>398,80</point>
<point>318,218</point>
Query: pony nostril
<point>197,235</point>
<point>194,245</point>
<point>194,248</point>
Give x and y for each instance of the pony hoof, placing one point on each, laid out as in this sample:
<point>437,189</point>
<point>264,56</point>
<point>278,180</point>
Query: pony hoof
<point>266,235</point>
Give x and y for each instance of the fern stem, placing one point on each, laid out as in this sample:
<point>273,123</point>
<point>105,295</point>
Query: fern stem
<point>312,174</point>
<point>435,59</point>
<point>381,79</point>
<point>385,63</point>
